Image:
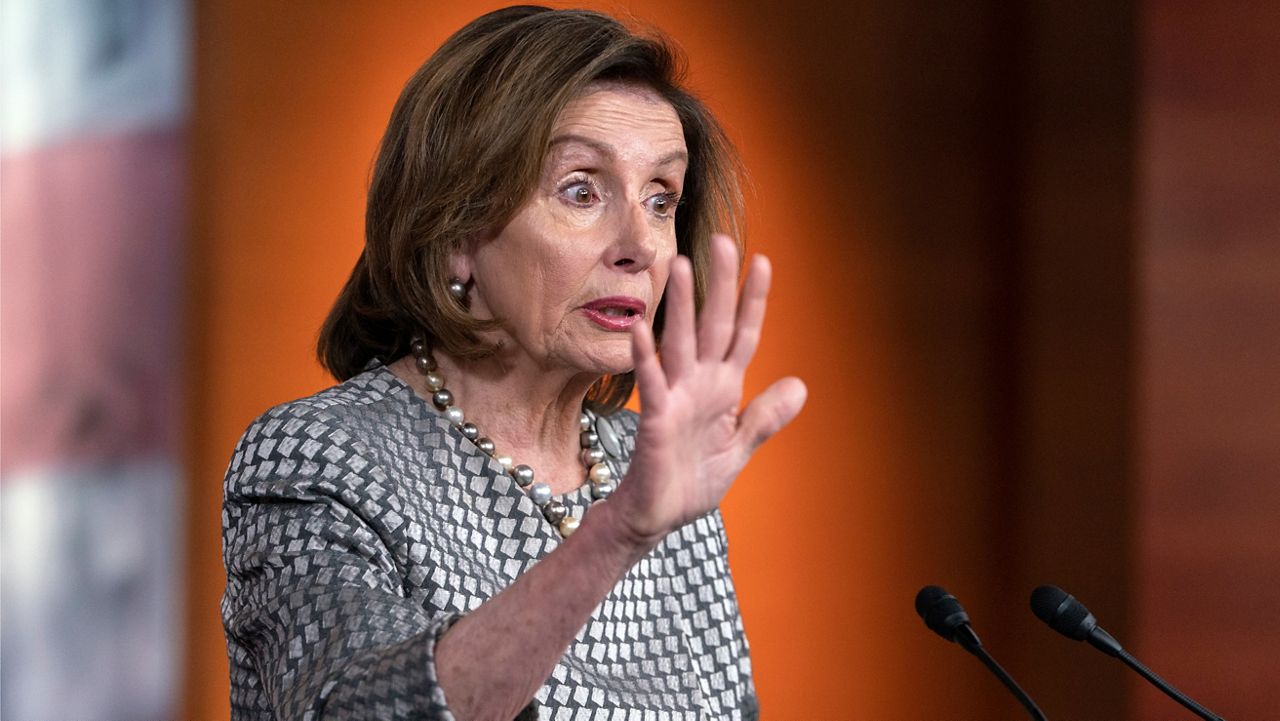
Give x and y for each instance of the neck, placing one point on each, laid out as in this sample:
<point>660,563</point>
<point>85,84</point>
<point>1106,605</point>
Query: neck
<point>531,414</point>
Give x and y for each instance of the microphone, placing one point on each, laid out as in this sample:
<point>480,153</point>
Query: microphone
<point>944,615</point>
<point>1070,618</point>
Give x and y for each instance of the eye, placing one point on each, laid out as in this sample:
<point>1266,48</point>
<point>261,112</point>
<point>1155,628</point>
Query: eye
<point>579,192</point>
<point>664,204</point>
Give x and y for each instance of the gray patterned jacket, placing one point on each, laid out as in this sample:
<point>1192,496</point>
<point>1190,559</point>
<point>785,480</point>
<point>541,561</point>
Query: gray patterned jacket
<point>358,524</point>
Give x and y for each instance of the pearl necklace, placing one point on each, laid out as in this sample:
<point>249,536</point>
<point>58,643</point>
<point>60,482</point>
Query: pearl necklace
<point>556,512</point>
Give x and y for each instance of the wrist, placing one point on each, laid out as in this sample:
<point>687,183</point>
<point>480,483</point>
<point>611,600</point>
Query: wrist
<point>614,530</point>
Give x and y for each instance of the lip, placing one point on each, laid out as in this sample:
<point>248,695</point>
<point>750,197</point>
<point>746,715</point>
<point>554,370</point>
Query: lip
<point>598,312</point>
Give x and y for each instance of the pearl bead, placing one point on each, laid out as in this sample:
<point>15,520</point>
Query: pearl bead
<point>569,525</point>
<point>555,511</point>
<point>592,456</point>
<point>523,474</point>
<point>589,439</point>
<point>424,363</point>
<point>442,398</point>
<point>457,289</point>
<point>434,382</point>
<point>418,347</point>
<point>469,431</point>
<point>454,415</point>
<point>540,493</point>
<point>584,422</point>
<point>486,445</point>
<point>505,462</point>
<point>600,473</point>
<point>601,491</point>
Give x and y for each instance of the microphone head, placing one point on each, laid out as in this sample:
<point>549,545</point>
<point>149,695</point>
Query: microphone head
<point>941,611</point>
<point>1062,612</point>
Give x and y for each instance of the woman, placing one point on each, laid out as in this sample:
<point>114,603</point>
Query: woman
<point>416,542</point>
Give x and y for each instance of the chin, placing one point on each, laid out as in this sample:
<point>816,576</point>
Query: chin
<point>609,364</point>
<point>613,369</point>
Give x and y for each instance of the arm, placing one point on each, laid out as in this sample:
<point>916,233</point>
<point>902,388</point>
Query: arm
<point>317,621</point>
<point>692,443</point>
<point>315,603</point>
<point>496,657</point>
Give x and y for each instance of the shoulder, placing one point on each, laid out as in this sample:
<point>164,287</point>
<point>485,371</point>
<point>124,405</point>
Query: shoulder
<point>375,391</point>
<point>329,427</point>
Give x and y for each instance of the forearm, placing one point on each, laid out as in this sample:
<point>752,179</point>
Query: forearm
<point>492,662</point>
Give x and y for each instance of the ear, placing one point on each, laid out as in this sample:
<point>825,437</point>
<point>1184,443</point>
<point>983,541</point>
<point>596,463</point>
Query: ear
<point>462,258</point>
<point>461,264</point>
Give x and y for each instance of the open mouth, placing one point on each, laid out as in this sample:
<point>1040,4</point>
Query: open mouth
<point>616,312</point>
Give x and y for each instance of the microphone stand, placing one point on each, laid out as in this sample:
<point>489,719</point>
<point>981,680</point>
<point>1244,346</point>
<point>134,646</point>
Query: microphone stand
<point>1106,643</point>
<point>966,637</point>
<point>1165,686</point>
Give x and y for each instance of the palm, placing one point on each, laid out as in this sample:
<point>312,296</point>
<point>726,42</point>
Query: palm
<point>693,441</point>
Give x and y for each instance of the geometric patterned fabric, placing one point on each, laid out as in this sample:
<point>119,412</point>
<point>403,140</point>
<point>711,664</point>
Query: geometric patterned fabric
<point>358,525</point>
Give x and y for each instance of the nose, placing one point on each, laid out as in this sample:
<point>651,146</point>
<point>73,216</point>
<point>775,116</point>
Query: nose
<point>635,242</point>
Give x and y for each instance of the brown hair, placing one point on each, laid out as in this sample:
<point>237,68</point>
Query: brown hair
<point>465,146</point>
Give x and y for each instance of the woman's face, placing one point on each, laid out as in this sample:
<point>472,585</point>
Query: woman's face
<point>587,255</point>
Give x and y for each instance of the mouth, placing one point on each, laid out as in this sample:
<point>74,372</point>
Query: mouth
<point>615,312</point>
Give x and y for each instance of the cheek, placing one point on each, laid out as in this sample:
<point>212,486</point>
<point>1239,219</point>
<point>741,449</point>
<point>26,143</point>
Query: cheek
<point>525,266</point>
<point>564,273</point>
<point>661,269</point>
<point>661,272</point>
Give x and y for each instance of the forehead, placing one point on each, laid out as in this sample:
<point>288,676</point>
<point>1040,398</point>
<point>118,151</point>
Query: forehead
<point>631,121</point>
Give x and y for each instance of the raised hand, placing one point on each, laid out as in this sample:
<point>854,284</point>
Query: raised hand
<point>693,439</point>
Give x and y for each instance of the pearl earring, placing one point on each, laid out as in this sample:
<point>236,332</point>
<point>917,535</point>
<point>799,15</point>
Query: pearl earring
<point>457,289</point>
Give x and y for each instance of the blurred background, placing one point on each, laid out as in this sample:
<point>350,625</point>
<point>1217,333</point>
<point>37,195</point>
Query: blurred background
<point>1027,259</point>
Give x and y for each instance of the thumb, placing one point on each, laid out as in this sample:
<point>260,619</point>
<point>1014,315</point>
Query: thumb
<point>771,411</point>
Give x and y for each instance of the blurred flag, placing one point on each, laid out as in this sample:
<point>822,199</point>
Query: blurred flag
<point>92,185</point>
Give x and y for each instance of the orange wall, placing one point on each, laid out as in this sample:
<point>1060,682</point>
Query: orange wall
<point>947,191</point>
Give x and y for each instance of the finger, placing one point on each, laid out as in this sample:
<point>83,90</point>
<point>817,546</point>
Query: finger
<point>650,381</point>
<point>678,342</point>
<point>715,322</point>
<point>771,411</point>
<point>751,306</point>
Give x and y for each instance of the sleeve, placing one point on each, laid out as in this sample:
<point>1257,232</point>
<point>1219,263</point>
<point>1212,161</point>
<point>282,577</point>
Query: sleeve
<point>749,704</point>
<point>314,596</point>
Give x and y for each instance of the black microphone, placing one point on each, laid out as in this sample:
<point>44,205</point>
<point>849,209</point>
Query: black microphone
<point>1070,618</point>
<point>944,615</point>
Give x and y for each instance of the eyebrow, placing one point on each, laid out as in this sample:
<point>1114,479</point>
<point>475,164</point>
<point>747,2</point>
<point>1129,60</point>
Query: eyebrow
<point>610,151</point>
